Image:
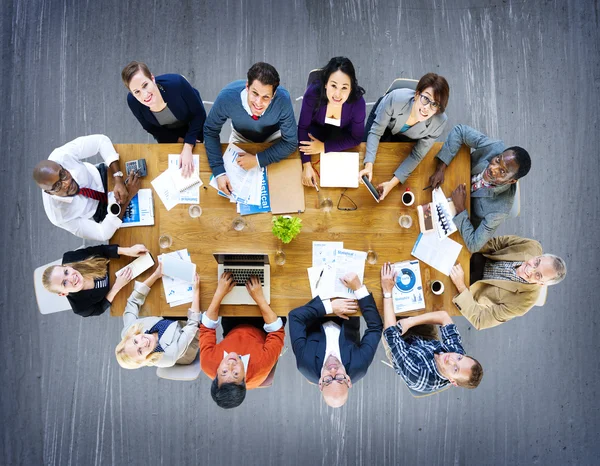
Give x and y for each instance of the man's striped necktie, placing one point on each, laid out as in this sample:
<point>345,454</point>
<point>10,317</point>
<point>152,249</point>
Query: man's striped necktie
<point>93,194</point>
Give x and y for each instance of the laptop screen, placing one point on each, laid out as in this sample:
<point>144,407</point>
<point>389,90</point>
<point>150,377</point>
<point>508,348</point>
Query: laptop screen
<point>246,259</point>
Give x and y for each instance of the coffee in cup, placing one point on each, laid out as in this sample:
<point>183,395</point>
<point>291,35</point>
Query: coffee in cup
<point>408,198</point>
<point>114,209</point>
<point>437,287</point>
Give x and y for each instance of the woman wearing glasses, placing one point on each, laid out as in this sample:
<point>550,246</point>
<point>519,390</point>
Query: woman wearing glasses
<point>333,114</point>
<point>168,107</point>
<point>83,277</point>
<point>404,115</point>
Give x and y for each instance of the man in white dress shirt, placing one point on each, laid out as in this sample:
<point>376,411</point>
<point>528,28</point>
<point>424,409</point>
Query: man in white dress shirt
<point>75,192</point>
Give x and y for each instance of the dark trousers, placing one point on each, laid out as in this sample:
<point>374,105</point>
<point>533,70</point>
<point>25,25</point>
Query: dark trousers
<point>102,209</point>
<point>229,323</point>
<point>477,264</point>
<point>387,134</point>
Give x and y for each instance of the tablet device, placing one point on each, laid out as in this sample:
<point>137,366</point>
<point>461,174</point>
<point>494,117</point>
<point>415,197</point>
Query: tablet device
<point>139,265</point>
<point>371,188</point>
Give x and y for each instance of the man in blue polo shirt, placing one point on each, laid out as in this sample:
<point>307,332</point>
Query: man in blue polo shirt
<point>260,111</point>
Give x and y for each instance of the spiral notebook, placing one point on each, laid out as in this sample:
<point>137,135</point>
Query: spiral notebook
<point>181,183</point>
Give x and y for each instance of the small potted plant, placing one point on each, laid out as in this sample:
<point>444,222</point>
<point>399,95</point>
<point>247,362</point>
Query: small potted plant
<point>285,228</point>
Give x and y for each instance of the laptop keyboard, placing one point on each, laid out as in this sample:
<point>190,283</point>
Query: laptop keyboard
<point>241,276</point>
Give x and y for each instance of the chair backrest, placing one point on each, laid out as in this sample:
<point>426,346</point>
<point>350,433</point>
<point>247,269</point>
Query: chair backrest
<point>403,83</point>
<point>188,372</point>
<point>48,303</point>
<point>269,380</point>
<point>516,207</point>
<point>542,297</point>
<point>312,76</point>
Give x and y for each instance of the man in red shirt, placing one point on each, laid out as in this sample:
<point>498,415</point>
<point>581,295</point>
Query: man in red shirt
<point>248,351</point>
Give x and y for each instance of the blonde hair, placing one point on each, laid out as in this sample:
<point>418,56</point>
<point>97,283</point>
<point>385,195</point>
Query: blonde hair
<point>124,360</point>
<point>93,267</point>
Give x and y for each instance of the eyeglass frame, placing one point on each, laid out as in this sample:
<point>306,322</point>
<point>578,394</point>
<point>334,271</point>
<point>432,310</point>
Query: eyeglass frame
<point>63,175</point>
<point>342,195</point>
<point>425,101</point>
<point>345,379</point>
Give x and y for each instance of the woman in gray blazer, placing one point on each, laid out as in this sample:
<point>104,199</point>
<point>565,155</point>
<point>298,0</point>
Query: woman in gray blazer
<point>154,341</point>
<point>404,115</point>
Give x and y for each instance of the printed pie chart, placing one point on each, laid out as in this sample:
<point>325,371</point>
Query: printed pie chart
<point>405,281</point>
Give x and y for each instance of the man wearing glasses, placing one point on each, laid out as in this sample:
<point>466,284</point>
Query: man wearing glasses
<point>75,192</point>
<point>329,351</point>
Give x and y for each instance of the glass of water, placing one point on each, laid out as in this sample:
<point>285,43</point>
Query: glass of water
<point>326,204</point>
<point>165,241</point>
<point>372,257</point>
<point>195,211</point>
<point>238,223</point>
<point>405,221</point>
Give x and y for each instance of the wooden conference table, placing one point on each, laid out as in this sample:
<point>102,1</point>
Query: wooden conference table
<point>371,226</point>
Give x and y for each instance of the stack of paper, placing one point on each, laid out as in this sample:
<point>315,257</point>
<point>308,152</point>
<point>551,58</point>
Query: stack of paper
<point>441,255</point>
<point>166,184</point>
<point>330,263</point>
<point>248,186</point>
<point>177,291</point>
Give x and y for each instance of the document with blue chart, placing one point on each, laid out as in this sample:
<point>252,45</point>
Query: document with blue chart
<point>265,199</point>
<point>140,211</point>
<point>407,294</point>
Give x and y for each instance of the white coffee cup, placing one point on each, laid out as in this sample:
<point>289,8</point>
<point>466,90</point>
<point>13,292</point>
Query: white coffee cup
<point>437,287</point>
<point>114,209</point>
<point>408,198</point>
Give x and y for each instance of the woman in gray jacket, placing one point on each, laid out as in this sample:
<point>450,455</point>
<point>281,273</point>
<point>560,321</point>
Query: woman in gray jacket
<point>404,115</point>
<point>154,341</point>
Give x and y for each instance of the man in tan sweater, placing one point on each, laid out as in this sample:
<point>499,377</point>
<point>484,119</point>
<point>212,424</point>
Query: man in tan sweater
<point>506,280</point>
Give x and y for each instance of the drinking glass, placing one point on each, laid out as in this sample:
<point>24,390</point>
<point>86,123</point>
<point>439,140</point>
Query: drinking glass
<point>195,211</point>
<point>238,223</point>
<point>326,204</point>
<point>165,241</point>
<point>371,257</point>
<point>405,221</point>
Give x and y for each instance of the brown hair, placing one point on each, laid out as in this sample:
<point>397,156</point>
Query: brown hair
<point>441,90</point>
<point>476,375</point>
<point>131,69</point>
<point>124,360</point>
<point>93,267</point>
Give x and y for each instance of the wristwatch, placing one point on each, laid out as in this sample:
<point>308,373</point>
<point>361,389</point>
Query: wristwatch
<point>119,173</point>
<point>387,295</point>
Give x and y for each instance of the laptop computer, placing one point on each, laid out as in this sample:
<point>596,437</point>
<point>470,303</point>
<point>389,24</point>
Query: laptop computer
<point>242,266</point>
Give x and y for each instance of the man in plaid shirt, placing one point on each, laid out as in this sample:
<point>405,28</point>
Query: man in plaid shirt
<point>426,364</point>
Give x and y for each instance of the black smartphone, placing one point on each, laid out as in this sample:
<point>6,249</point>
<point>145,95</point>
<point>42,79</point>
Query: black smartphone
<point>371,188</point>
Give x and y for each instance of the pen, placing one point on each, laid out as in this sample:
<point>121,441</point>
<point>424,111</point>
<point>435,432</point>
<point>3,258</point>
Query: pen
<point>319,279</point>
<point>316,187</point>
<point>428,187</point>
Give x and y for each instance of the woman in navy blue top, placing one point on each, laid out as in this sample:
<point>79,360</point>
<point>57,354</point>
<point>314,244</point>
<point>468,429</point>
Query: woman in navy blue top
<point>168,107</point>
<point>333,112</point>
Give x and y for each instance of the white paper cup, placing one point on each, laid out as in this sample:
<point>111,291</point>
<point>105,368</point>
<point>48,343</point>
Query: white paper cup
<point>437,287</point>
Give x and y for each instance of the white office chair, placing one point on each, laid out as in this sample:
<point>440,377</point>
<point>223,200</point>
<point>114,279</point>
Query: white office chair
<point>399,83</point>
<point>188,372</point>
<point>48,303</point>
<point>516,208</point>
<point>542,297</point>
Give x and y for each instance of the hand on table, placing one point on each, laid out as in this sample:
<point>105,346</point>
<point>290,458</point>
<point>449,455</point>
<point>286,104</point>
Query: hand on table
<point>457,275</point>
<point>246,160</point>
<point>120,190</point>
<point>133,183</point>
<point>437,178</point>
<point>186,161</point>
<point>385,188</point>
<point>350,280</point>
<point>388,277</point>
<point>158,271</point>
<point>459,197</point>
<point>224,185</point>
<point>314,146</point>
<point>341,307</point>
<point>368,170</point>
<point>309,177</point>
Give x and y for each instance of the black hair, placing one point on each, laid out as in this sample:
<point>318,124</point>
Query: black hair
<point>344,65</point>
<point>522,158</point>
<point>265,73</point>
<point>228,395</point>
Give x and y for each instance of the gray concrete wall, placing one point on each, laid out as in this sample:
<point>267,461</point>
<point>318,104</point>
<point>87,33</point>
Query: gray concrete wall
<point>527,72</point>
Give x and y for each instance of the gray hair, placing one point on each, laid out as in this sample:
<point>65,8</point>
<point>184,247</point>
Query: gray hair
<point>559,266</point>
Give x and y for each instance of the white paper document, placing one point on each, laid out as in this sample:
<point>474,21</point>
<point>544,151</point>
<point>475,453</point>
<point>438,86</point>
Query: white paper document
<point>140,211</point>
<point>165,188</point>
<point>443,212</point>
<point>190,195</point>
<point>407,294</point>
<point>347,260</point>
<point>322,284</point>
<point>138,266</point>
<point>324,252</point>
<point>177,291</point>
<point>440,254</point>
<point>339,170</point>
